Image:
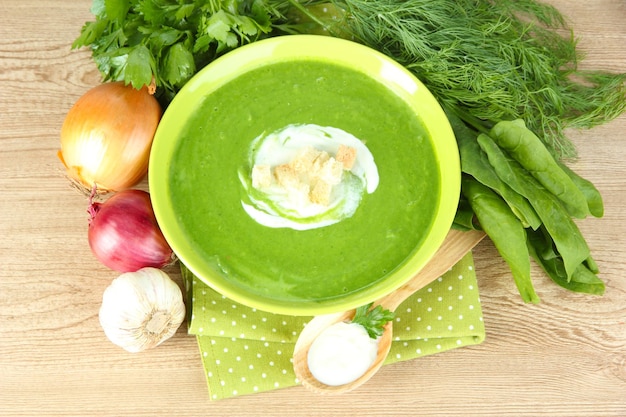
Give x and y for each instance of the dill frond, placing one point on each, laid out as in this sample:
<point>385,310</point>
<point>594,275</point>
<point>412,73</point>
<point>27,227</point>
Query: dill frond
<point>498,60</point>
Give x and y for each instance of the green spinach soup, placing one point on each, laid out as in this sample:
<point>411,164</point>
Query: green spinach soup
<point>276,236</point>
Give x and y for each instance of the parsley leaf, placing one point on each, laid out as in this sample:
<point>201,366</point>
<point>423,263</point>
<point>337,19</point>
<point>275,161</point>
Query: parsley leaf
<point>116,9</point>
<point>373,320</point>
<point>139,67</point>
<point>179,65</point>
<point>90,32</point>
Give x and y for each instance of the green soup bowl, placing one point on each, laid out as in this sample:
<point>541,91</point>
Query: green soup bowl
<point>284,249</point>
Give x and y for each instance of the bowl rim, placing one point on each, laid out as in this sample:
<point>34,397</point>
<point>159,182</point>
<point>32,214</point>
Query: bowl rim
<point>320,48</point>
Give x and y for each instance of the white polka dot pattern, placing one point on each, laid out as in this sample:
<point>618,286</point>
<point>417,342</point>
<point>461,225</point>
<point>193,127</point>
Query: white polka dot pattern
<point>245,351</point>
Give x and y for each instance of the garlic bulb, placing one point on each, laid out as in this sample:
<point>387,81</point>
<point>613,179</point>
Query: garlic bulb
<point>141,309</point>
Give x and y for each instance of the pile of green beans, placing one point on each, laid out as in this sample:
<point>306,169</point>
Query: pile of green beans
<point>525,200</point>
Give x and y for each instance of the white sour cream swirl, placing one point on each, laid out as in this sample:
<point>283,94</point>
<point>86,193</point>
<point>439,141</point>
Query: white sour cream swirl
<point>273,207</point>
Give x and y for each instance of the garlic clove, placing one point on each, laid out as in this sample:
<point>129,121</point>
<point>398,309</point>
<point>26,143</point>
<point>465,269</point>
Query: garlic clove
<point>141,309</point>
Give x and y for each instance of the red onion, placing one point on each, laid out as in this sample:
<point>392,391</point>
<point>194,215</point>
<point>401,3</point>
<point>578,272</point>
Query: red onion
<point>124,234</point>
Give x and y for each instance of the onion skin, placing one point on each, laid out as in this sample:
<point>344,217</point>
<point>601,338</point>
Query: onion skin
<point>107,135</point>
<point>124,234</point>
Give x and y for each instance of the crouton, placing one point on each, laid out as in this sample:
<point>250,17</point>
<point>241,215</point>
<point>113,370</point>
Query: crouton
<point>331,172</point>
<point>318,163</point>
<point>309,177</point>
<point>347,156</point>
<point>304,159</point>
<point>286,176</point>
<point>320,194</point>
<point>261,176</point>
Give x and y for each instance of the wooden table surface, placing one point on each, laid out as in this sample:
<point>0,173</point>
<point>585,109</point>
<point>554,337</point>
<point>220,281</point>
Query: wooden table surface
<point>563,357</point>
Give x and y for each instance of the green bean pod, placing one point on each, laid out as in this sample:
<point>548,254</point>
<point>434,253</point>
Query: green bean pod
<point>592,265</point>
<point>566,235</point>
<point>591,193</point>
<point>505,231</point>
<point>464,216</point>
<point>475,163</point>
<point>584,278</point>
<point>527,149</point>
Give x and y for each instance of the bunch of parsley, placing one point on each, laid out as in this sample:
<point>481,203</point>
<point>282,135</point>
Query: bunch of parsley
<point>166,42</point>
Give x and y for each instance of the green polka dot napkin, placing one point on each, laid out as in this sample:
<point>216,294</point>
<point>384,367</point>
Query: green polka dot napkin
<point>245,350</point>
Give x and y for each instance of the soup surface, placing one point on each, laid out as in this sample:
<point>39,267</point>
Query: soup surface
<point>321,262</point>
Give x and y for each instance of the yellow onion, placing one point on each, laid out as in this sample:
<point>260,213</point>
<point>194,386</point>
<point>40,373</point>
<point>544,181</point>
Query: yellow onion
<point>107,135</point>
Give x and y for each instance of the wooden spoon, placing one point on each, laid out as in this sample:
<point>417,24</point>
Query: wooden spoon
<point>454,247</point>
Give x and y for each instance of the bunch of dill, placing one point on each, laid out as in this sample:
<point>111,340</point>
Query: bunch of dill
<point>491,60</point>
